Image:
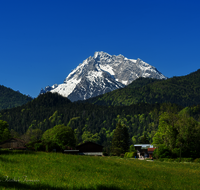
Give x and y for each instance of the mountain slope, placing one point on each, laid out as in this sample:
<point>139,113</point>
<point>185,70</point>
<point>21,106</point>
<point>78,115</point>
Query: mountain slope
<point>183,90</point>
<point>10,98</point>
<point>103,73</point>
<point>50,109</point>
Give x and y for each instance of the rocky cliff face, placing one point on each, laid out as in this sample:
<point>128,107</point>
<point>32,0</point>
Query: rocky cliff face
<point>103,73</point>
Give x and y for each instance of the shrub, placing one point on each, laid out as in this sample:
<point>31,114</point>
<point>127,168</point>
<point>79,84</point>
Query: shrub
<point>177,160</point>
<point>130,154</point>
<point>116,151</point>
<point>162,152</point>
<point>167,159</point>
<point>161,159</point>
<point>113,154</point>
<point>125,155</point>
<point>132,148</point>
<point>187,159</point>
<point>197,160</point>
<point>47,148</point>
<point>170,160</point>
<point>105,153</point>
<point>39,147</point>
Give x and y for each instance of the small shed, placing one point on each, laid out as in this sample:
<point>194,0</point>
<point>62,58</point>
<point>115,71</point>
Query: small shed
<point>90,148</point>
<point>13,143</point>
<point>150,152</point>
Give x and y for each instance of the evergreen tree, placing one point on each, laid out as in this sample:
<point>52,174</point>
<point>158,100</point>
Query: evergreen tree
<point>120,141</point>
<point>4,132</point>
<point>144,140</point>
<point>14,134</point>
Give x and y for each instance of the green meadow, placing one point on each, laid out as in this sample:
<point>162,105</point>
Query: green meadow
<point>40,170</point>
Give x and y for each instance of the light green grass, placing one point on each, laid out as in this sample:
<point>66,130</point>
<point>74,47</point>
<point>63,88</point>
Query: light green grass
<point>60,171</point>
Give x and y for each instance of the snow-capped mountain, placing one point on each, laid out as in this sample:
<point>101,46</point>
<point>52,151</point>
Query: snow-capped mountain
<point>102,73</point>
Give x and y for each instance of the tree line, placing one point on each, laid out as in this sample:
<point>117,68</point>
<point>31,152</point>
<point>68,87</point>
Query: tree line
<point>94,123</point>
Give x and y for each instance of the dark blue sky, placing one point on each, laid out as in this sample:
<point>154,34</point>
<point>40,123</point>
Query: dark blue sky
<point>41,41</point>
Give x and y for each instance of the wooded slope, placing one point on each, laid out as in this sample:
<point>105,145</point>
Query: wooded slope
<point>184,91</point>
<point>10,98</point>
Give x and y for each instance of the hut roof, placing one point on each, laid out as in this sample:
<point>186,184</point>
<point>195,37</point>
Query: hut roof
<point>151,149</point>
<point>88,143</point>
<point>11,139</point>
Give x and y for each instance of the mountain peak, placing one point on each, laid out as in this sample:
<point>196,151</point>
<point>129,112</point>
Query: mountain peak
<point>103,73</point>
<point>100,54</point>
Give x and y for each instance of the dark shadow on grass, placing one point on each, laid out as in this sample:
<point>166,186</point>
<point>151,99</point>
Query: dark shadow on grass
<point>7,160</point>
<point>6,152</point>
<point>12,152</point>
<point>5,183</point>
<point>32,186</point>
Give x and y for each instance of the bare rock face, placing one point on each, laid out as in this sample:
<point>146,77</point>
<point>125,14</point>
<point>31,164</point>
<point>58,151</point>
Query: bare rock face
<point>103,73</point>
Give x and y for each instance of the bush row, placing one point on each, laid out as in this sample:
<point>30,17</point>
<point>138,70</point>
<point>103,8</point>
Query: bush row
<point>197,160</point>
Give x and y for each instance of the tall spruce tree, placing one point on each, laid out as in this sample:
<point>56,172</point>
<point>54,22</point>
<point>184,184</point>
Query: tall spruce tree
<point>120,141</point>
<point>144,140</point>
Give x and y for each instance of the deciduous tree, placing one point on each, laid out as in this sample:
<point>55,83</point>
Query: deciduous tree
<point>178,133</point>
<point>60,136</point>
<point>88,136</point>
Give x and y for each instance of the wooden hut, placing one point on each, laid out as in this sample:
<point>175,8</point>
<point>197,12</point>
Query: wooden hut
<point>90,148</point>
<point>13,143</point>
<point>87,148</point>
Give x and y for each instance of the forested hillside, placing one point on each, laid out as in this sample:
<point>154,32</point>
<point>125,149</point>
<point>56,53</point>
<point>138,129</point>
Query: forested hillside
<point>184,91</point>
<point>96,122</point>
<point>10,98</point>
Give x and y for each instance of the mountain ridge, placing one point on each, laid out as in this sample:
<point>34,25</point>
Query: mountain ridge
<point>102,73</point>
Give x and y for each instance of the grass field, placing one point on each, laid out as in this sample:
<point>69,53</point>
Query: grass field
<point>39,170</point>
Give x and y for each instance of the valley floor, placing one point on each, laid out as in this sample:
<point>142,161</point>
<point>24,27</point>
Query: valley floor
<point>40,170</point>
